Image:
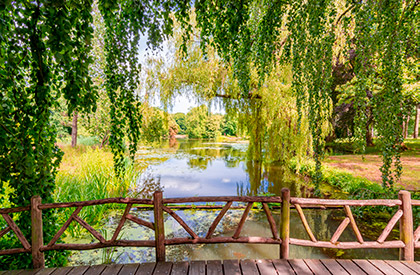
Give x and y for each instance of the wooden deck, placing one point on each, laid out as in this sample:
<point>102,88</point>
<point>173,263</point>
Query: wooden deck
<point>235,267</point>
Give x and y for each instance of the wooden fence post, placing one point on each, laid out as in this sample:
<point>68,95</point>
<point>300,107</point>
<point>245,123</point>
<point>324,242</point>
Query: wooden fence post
<point>159,226</point>
<point>406,227</point>
<point>285,223</point>
<point>38,260</point>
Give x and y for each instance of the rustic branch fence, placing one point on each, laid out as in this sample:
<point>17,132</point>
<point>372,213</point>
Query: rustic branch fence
<point>408,241</point>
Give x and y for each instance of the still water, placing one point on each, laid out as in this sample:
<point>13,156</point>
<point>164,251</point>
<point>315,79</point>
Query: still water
<point>185,168</point>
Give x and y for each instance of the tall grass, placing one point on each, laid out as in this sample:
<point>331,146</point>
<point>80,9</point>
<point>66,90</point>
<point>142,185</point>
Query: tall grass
<point>87,174</point>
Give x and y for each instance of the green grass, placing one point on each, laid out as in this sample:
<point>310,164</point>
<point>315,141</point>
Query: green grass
<point>87,174</point>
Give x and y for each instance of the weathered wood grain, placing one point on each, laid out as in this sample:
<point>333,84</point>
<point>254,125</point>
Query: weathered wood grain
<point>403,269</point>
<point>340,230</point>
<point>350,267</point>
<point>129,269</point>
<point>316,266</point>
<point>197,268</point>
<point>249,267</point>
<point>266,267</point>
<point>305,223</point>
<point>145,269</point>
<point>283,267</point>
<point>112,269</point>
<point>384,267</point>
<point>214,267</point>
<point>354,226</point>
<point>367,267</point>
<point>271,221</point>
<point>180,268</point>
<point>162,268</point>
<point>231,267</point>
<point>299,266</point>
<point>334,267</point>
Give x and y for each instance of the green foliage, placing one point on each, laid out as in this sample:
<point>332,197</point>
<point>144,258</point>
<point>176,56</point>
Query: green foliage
<point>201,124</point>
<point>181,121</point>
<point>228,126</point>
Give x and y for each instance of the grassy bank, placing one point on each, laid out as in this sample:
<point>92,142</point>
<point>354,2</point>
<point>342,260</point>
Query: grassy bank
<point>87,173</point>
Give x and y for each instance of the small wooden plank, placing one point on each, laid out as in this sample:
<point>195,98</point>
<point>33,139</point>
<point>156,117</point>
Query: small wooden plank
<point>129,269</point>
<point>62,270</point>
<point>231,267</point>
<point>316,266</point>
<point>299,266</point>
<point>46,271</point>
<point>13,272</point>
<point>146,269</point>
<point>197,268</point>
<point>249,267</point>
<point>180,268</point>
<point>79,270</point>
<point>400,267</point>
<point>367,267</point>
<point>353,224</point>
<point>334,267</point>
<point>271,221</point>
<point>384,267</point>
<point>350,267</point>
<point>412,265</point>
<point>340,230</point>
<point>283,267</point>
<point>162,268</point>
<point>95,270</point>
<point>218,219</point>
<point>266,267</point>
<point>112,269</point>
<point>28,272</point>
<point>214,267</point>
<point>390,226</point>
<point>305,222</point>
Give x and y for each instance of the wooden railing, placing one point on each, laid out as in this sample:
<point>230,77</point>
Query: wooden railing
<point>409,238</point>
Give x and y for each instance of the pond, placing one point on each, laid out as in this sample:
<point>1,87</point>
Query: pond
<point>186,168</point>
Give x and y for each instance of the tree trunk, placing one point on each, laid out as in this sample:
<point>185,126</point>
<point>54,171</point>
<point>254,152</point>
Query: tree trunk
<point>416,122</point>
<point>405,134</point>
<point>369,135</point>
<point>74,130</point>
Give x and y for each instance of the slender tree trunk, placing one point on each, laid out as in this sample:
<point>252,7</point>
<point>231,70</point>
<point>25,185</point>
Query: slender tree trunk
<point>405,134</point>
<point>416,122</point>
<point>369,135</point>
<point>74,130</point>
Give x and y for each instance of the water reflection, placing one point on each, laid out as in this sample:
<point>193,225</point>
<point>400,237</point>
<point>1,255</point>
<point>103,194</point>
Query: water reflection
<point>194,168</point>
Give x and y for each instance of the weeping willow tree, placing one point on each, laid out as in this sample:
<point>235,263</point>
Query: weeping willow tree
<point>45,53</point>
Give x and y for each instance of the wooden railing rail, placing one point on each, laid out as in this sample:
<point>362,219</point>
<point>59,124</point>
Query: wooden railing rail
<point>408,241</point>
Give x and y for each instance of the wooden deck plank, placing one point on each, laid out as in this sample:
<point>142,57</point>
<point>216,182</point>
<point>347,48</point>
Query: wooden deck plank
<point>413,266</point>
<point>162,268</point>
<point>197,268</point>
<point>283,267</point>
<point>145,269</point>
<point>400,267</point>
<point>231,267</point>
<point>129,269</point>
<point>62,270</point>
<point>95,270</point>
<point>351,267</point>
<point>316,266</point>
<point>12,272</point>
<point>180,268</point>
<point>384,267</point>
<point>299,267</point>
<point>368,267</point>
<point>249,267</point>
<point>266,267</point>
<point>46,271</point>
<point>78,270</point>
<point>28,272</point>
<point>214,267</point>
<point>112,269</point>
<point>334,267</point>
